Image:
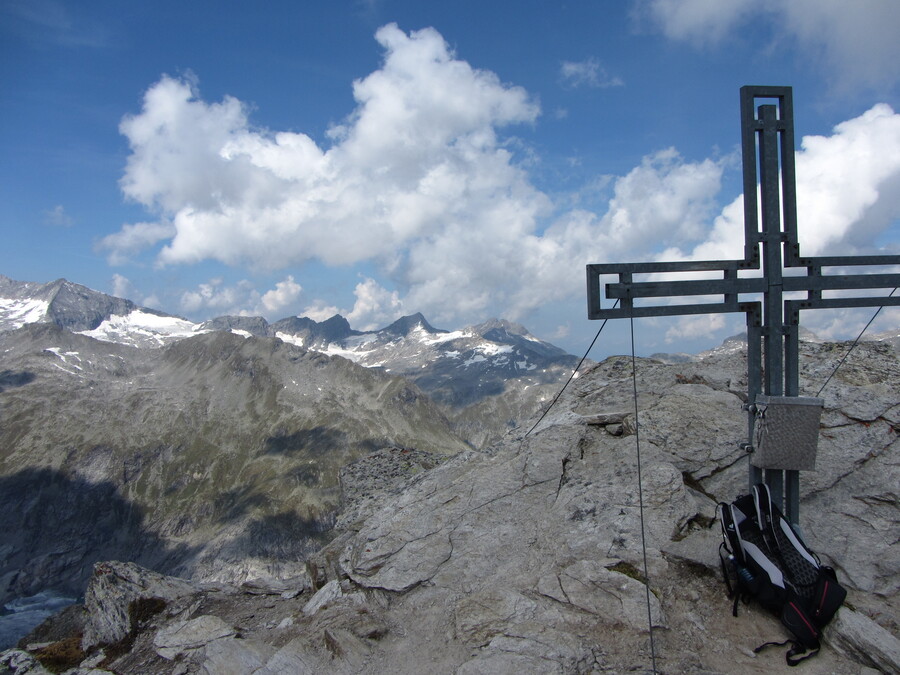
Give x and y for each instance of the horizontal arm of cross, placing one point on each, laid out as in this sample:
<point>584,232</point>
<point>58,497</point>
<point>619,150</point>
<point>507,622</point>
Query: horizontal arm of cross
<point>626,312</point>
<point>598,269</point>
<point>625,271</point>
<point>792,307</point>
<point>731,286</point>
<point>665,289</point>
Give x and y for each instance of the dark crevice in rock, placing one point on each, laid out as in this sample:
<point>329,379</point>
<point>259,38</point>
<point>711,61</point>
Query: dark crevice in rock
<point>717,470</point>
<point>563,478</point>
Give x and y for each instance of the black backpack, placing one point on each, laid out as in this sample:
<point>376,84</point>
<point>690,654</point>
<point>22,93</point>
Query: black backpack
<point>763,557</point>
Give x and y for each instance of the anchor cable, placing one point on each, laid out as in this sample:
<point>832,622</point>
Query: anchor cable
<point>571,377</point>
<point>637,440</point>
<point>855,342</point>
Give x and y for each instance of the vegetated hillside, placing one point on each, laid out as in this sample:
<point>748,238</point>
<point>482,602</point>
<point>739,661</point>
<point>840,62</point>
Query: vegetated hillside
<point>216,456</point>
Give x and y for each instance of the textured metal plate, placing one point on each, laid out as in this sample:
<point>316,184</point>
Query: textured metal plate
<point>787,432</point>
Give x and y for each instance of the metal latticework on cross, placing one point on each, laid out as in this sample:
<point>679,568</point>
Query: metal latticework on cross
<point>770,242</point>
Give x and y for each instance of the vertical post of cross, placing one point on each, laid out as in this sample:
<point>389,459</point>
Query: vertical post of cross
<point>768,143</point>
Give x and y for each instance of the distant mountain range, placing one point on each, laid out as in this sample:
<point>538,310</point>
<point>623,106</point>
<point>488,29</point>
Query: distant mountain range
<point>486,377</point>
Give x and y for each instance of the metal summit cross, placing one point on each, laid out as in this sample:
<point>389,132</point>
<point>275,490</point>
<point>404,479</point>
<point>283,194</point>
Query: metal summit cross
<point>770,220</point>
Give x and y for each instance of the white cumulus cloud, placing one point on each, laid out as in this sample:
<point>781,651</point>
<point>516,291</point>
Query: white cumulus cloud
<point>133,238</point>
<point>215,297</point>
<point>703,22</point>
<point>284,294</point>
<point>375,306</point>
<point>420,184</point>
<point>123,288</point>
<point>412,156</point>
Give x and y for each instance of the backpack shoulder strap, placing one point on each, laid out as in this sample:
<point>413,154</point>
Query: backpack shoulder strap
<point>797,652</point>
<point>798,563</point>
<point>762,504</point>
<point>731,538</point>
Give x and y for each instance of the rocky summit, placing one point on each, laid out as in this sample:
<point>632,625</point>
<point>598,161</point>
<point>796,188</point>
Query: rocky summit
<point>544,553</point>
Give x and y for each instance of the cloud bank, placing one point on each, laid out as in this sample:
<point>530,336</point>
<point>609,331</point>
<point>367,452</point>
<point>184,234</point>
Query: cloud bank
<point>855,41</point>
<point>420,183</point>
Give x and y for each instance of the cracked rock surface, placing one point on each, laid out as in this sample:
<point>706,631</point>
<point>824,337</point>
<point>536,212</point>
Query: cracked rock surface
<point>530,557</point>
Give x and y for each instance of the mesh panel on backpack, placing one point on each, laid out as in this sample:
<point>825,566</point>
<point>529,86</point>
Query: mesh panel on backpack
<point>802,574</point>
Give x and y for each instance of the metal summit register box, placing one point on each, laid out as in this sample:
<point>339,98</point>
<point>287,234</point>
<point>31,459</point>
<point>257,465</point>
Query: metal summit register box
<point>787,432</point>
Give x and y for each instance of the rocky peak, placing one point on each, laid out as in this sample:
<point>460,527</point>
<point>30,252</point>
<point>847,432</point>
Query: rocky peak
<point>499,327</point>
<point>406,324</point>
<point>77,307</point>
<point>336,328</point>
<point>254,325</point>
<point>68,305</point>
<point>315,334</point>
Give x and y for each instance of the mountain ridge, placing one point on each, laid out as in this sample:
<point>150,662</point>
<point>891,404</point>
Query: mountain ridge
<point>68,301</point>
<point>485,377</point>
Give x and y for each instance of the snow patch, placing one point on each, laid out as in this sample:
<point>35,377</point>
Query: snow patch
<point>295,340</point>
<point>139,328</point>
<point>492,349</point>
<point>357,341</point>
<point>20,312</point>
<point>65,370</point>
<point>65,356</point>
<point>337,350</point>
<point>435,339</point>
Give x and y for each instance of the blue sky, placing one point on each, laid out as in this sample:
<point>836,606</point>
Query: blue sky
<point>466,159</point>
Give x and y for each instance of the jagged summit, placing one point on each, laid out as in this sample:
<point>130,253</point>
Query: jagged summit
<point>406,324</point>
<point>336,328</point>
<point>62,302</point>
<point>502,325</point>
<point>313,334</point>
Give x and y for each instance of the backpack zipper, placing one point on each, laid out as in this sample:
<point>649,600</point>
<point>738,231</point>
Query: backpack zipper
<point>822,601</point>
<point>802,616</point>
